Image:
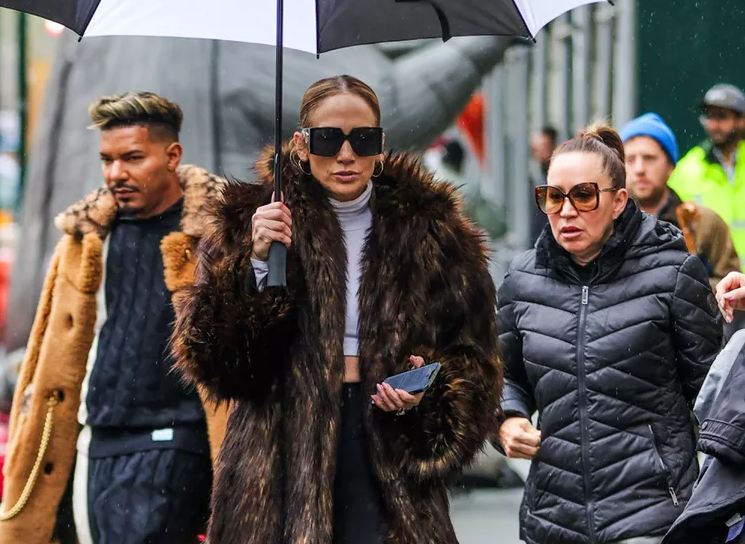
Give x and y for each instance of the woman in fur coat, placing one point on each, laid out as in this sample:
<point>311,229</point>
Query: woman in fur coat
<point>383,274</point>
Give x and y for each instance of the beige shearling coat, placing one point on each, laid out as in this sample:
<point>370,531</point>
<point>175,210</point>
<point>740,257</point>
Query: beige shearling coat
<point>44,425</point>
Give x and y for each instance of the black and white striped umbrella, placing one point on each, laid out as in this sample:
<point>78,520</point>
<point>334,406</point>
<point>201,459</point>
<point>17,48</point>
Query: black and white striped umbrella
<point>315,26</point>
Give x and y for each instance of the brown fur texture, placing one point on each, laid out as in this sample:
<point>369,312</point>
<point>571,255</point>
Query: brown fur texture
<point>425,290</point>
<point>57,351</point>
<point>178,260</point>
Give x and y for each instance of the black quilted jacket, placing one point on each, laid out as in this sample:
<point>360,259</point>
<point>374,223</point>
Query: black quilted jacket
<point>612,364</point>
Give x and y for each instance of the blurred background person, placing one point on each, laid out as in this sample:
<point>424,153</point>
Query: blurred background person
<point>713,173</point>
<point>542,146</point>
<point>651,154</point>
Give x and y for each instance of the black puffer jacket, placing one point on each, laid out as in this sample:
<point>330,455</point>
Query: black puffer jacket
<point>612,365</point>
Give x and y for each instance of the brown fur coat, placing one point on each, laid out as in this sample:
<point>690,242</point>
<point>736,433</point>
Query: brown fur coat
<point>425,290</point>
<point>55,361</point>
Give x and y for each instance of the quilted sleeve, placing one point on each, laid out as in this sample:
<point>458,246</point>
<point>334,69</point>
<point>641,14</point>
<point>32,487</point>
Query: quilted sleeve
<point>517,399</point>
<point>697,326</point>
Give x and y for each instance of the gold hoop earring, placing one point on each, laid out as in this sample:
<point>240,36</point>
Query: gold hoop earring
<point>295,160</point>
<point>382,167</point>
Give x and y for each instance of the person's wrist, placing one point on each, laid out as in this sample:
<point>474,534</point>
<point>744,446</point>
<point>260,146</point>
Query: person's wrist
<point>510,414</point>
<point>256,257</point>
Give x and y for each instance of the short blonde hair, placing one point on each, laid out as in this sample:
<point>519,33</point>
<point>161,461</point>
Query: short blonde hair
<point>158,114</point>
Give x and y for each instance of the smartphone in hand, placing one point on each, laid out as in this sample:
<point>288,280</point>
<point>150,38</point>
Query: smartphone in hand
<point>415,381</point>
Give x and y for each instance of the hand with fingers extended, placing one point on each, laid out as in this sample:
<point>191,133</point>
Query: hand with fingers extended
<point>731,295</point>
<point>519,439</point>
<point>270,223</point>
<point>397,400</point>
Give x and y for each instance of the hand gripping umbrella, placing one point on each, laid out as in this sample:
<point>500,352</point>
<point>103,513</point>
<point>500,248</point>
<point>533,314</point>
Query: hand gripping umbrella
<point>315,26</point>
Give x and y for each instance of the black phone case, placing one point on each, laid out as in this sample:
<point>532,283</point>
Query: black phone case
<point>416,380</point>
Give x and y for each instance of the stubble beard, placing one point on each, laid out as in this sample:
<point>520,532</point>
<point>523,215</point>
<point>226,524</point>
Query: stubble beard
<point>653,199</point>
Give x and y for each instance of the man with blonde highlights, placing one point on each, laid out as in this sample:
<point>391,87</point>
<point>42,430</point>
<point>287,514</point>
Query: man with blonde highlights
<point>107,445</point>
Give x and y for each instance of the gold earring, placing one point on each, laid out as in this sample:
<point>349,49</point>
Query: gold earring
<point>295,160</point>
<point>382,166</point>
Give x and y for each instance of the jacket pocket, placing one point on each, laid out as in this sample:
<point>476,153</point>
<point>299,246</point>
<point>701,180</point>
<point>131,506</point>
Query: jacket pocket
<point>664,467</point>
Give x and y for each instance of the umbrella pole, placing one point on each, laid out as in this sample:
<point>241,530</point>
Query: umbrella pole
<point>277,251</point>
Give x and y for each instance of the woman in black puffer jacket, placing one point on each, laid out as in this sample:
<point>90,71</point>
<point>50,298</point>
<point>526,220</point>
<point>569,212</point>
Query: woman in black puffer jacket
<point>608,328</point>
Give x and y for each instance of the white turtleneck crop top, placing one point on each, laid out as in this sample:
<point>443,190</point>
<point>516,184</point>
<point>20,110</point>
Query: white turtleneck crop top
<point>355,219</point>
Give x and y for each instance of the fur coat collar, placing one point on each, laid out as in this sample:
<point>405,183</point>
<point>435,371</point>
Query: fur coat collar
<point>425,289</point>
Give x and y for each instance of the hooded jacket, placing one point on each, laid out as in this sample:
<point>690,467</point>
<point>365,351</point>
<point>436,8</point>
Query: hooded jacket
<point>425,289</point>
<point>44,418</point>
<point>612,365</point>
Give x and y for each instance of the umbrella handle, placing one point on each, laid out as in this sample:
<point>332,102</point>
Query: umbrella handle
<point>277,276</point>
<point>277,265</point>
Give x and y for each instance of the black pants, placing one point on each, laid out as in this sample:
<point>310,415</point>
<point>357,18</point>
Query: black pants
<point>357,500</point>
<point>151,497</point>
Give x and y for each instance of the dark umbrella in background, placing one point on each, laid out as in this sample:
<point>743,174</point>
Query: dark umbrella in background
<point>315,26</point>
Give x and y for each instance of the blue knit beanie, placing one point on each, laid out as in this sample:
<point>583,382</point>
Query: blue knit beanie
<point>652,125</point>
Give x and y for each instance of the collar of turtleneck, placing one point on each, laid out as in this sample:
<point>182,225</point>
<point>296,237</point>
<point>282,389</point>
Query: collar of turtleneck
<point>355,213</point>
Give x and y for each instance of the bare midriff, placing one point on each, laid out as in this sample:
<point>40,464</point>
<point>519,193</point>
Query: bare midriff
<point>351,369</point>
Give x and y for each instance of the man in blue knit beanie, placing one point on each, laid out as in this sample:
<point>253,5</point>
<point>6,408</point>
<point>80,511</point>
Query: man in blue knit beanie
<point>651,156</point>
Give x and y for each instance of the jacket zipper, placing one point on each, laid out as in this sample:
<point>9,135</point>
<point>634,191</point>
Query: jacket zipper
<point>668,472</point>
<point>583,418</point>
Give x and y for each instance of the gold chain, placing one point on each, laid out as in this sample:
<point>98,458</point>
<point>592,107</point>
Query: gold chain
<point>31,482</point>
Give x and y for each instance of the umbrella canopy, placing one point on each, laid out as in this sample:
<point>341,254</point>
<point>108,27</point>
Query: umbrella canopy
<point>315,26</point>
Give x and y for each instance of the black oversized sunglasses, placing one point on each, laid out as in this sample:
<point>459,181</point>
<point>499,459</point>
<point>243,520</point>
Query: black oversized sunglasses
<point>327,141</point>
<point>585,197</point>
